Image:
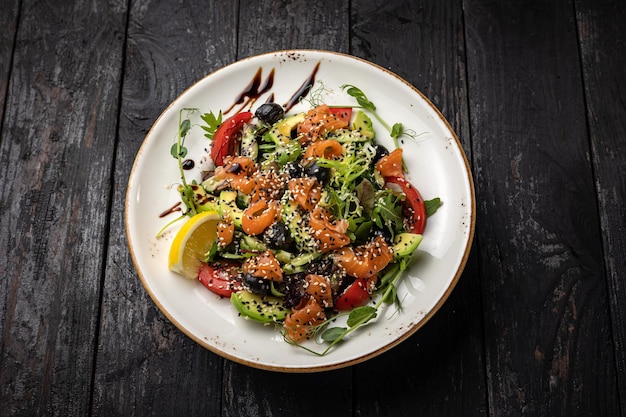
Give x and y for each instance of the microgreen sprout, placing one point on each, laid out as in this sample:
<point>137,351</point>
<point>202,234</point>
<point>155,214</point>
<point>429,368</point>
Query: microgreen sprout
<point>395,131</point>
<point>315,96</point>
<point>179,151</point>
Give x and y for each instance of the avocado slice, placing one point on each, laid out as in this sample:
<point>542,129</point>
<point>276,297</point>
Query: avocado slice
<point>228,202</point>
<point>280,133</point>
<point>249,145</point>
<point>261,308</point>
<point>212,184</point>
<point>203,200</point>
<point>405,244</point>
<point>295,223</point>
<point>363,124</point>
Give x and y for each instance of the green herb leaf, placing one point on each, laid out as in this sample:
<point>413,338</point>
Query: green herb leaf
<point>359,96</point>
<point>432,206</point>
<point>174,151</point>
<point>212,122</point>
<point>396,130</point>
<point>389,280</point>
<point>361,315</point>
<point>387,212</point>
<point>362,231</point>
<point>178,152</point>
<point>391,296</point>
<point>185,126</point>
<point>366,194</point>
<point>390,273</point>
<point>334,333</point>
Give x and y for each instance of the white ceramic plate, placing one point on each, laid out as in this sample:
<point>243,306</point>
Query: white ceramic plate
<point>437,166</point>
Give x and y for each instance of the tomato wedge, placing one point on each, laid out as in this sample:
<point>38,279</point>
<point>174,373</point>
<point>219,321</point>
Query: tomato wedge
<point>226,137</point>
<point>220,279</point>
<point>343,113</point>
<point>413,207</point>
<point>354,296</point>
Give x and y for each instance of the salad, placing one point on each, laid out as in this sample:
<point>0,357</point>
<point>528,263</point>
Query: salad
<point>316,217</point>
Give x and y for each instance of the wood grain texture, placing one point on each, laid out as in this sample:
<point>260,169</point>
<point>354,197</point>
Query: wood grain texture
<point>55,169</point>
<point>8,30</point>
<point>537,323</point>
<point>547,325</point>
<point>602,37</point>
<point>278,25</point>
<point>424,43</point>
<point>145,365</point>
<point>255,393</point>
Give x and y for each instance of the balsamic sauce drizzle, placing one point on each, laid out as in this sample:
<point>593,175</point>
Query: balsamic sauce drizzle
<point>174,208</point>
<point>248,96</point>
<point>253,90</point>
<point>303,90</point>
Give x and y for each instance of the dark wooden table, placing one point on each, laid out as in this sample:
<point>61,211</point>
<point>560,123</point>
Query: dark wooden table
<point>535,91</point>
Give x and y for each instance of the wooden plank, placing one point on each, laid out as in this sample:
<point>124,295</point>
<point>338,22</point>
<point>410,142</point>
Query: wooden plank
<point>602,38</point>
<point>286,24</point>
<point>8,30</point>
<point>55,168</point>
<point>254,393</point>
<point>423,42</point>
<point>547,326</point>
<point>145,365</point>
<point>268,26</point>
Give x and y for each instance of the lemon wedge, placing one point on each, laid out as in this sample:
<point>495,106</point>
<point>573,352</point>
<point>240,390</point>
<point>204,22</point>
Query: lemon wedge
<point>192,242</point>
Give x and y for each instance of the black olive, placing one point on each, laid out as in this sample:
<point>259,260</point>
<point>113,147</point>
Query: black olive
<point>293,169</point>
<point>381,151</point>
<point>277,236</point>
<point>234,168</point>
<point>270,113</point>
<point>313,170</point>
<point>257,285</point>
<point>188,164</point>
